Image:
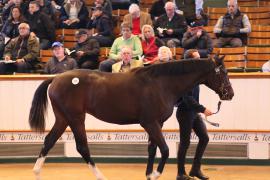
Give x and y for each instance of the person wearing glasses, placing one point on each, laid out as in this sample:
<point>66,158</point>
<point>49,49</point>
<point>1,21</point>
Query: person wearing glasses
<point>21,53</point>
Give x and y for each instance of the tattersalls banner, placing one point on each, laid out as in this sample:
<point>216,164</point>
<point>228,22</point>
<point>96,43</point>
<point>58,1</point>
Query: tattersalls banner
<point>225,137</point>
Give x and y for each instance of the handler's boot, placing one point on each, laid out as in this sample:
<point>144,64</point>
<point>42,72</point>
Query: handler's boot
<point>196,172</point>
<point>184,177</point>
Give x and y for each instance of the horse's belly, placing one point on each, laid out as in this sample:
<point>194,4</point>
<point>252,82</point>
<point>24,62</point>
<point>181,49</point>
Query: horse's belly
<point>117,120</point>
<point>121,121</point>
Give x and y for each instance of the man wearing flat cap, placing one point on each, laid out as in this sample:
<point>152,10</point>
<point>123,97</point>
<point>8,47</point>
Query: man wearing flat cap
<point>59,63</point>
<point>87,50</point>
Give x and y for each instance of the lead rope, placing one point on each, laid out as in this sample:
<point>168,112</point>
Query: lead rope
<point>213,123</point>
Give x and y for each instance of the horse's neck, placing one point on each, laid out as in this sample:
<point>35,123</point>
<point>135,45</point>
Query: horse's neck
<point>181,84</point>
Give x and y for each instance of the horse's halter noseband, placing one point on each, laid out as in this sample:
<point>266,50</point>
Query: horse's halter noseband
<point>223,90</point>
<point>224,84</point>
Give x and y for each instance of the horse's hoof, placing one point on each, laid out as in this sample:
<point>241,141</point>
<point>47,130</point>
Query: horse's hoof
<point>101,178</point>
<point>153,176</point>
<point>37,174</point>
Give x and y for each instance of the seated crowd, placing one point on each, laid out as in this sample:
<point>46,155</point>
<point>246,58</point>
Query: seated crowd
<point>30,26</point>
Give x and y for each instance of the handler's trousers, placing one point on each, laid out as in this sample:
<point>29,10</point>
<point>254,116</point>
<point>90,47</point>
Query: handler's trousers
<point>189,120</point>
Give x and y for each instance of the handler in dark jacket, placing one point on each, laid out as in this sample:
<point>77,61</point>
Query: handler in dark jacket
<point>23,49</point>
<point>86,50</point>
<point>198,38</point>
<point>188,118</point>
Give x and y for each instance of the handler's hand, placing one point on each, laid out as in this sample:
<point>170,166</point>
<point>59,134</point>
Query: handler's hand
<point>207,112</point>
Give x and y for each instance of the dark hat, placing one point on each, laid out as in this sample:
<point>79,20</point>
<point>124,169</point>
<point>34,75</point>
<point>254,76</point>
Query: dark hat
<point>57,44</point>
<point>100,8</point>
<point>81,32</point>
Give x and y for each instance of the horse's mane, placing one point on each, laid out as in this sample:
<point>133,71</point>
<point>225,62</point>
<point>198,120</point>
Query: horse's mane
<point>176,67</point>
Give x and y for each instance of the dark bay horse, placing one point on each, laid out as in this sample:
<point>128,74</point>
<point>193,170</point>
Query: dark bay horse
<point>144,96</point>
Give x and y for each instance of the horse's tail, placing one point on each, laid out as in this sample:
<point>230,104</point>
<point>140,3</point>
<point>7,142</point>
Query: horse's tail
<point>39,107</point>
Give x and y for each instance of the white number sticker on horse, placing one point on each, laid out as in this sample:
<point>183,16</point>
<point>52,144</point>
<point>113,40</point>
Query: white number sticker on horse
<point>75,81</point>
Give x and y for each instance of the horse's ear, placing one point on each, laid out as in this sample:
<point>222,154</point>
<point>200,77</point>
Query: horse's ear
<point>222,57</point>
<point>219,59</point>
<point>216,55</point>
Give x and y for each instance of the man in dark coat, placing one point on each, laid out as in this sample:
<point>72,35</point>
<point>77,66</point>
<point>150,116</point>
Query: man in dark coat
<point>86,50</point>
<point>21,53</point>
<point>103,26</point>
<point>197,38</point>
<point>41,25</point>
<point>171,26</point>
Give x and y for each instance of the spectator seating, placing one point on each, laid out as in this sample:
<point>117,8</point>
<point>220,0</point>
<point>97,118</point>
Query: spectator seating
<point>45,55</point>
<point>244,59</point>
<point>260,36</point>
<point>257,15</point>
<point>177,53</point>
<point>146,4</point>
<point>259,18</point>
<point>210,31</point>
<point>89,3</point>
<point>214,13</point>
<point>103,53</point>
<point>239,59</point>
<point>67,36</point>
<point>235,58</point>
<point>120,13</point>
<point>256,57</point>
<point>253,3</point>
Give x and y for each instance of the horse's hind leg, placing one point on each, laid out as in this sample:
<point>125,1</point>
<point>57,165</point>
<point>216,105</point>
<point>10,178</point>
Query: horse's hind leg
<point>81,145</point>
<point>154,131</point>
<point>51,138</point>
<point>152,149</point>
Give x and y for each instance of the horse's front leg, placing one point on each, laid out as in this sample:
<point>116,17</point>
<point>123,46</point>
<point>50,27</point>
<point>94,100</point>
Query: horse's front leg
<point>155,134</point>
<point>152,149</point>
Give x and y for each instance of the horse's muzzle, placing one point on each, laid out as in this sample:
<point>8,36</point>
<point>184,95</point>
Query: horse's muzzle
<point>227,95</point>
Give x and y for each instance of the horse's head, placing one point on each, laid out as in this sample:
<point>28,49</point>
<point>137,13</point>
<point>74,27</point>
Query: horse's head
<point>219,80</point>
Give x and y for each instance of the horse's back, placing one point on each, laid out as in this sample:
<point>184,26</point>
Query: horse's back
<point>103,95</point>
<point>70,87</point>
<point>121,98</point>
